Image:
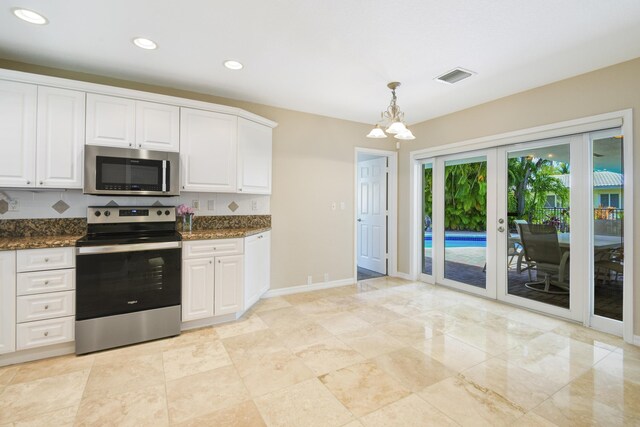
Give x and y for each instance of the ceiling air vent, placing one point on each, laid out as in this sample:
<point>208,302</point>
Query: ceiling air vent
<point>454,76</point>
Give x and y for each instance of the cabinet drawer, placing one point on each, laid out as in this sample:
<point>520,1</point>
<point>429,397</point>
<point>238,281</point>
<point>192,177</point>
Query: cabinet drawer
<point>45,306</point>
<point>208,248</point>
<point>45,332</point>
<point>39,282</point>
<point>45,259</point>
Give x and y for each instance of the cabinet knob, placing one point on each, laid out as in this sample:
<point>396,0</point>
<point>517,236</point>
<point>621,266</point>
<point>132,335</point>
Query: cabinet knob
<point>41,183</point>
<point>46,307</point>
<point>140,145</point>
<point>260,237</point>
<point>218,261</point>
<point>46,282</point>
<point>239,189</point>
<point>214,248</point>
<point>130,145</point>
<point>46,260</point>
<point>28,182</point>
<point>46,334</point>
<point>210,262</point>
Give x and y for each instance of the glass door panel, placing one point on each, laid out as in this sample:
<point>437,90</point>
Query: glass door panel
<point>538,225</point>
<point>427,216</point>
<point>465,221</point>
<point>608,232</point>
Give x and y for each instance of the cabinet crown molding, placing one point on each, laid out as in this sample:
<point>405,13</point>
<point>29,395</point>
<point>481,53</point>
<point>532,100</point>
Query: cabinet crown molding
<point>43,80</point>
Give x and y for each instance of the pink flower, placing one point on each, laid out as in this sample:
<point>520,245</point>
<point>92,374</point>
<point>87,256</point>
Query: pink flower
<point>184,210</point>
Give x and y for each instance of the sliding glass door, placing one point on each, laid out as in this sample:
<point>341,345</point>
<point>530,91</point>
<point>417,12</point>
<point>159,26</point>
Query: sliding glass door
<point>535,236</point>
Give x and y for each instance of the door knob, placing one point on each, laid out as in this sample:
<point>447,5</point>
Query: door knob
<point>501,229</point>
<point>359,220</point>
<point>501,221</point>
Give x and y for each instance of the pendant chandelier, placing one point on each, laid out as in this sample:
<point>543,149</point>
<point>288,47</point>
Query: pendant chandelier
<point>392,120</point>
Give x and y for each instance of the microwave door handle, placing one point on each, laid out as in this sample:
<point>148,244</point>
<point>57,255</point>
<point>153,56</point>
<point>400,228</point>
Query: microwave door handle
<point>164,175</point>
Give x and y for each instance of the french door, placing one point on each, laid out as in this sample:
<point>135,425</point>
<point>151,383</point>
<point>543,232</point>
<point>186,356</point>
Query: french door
<point>536,224</point>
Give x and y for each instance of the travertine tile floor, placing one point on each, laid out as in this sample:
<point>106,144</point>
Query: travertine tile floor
<point>385,352</point>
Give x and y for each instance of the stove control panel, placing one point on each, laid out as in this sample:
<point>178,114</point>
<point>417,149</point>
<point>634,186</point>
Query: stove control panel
<point>124,214</point>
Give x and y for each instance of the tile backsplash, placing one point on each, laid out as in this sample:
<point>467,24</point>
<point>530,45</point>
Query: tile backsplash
<point>73,204</point>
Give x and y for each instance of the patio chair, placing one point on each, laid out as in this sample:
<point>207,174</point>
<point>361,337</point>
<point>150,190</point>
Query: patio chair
<point>542,252</point>
<point>611,263</point>
<point>519,251</point>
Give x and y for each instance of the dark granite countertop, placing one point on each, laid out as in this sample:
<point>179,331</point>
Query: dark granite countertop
<point>61,241</point>
<point>222,233</point>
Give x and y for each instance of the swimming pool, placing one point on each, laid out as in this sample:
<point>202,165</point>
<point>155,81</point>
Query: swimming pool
<point>459,241</point>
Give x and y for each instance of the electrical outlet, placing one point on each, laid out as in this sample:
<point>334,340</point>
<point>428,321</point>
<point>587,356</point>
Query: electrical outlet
<point>342,206</point>
<point>309,280</point>
<point>211,205</point>
<point>254,205</point>
<point>14,205</point>
<point>195,204</point>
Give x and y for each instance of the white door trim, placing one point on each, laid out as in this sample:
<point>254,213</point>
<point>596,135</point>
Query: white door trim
<point>392,195</point>
<point>622,118</point>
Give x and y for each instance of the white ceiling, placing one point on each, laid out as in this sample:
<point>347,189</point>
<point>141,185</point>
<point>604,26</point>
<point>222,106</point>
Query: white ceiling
<point>331,57</point>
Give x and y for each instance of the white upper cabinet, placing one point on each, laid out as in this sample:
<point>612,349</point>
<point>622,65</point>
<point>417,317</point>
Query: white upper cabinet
<point>127,123</point>
<point>208,151</point>
<point>111,121</point>
<point>17,134</point>
<point>254,157</point>
<point>60,138</point>
<point>157,126</point>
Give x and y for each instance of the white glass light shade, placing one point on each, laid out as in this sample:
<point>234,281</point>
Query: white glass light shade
<point>396,127</point>
<point>405,135</point>
<point>376,132</point>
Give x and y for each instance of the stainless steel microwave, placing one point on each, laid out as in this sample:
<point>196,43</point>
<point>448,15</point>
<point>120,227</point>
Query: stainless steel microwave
<point>130,172</point>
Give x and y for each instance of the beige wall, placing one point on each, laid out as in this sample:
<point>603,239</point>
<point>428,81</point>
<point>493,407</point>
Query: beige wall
<point>609,89</point>
<point>313,161</point>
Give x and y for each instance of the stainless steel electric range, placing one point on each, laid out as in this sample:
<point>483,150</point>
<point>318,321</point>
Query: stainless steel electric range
<point>128,277</point>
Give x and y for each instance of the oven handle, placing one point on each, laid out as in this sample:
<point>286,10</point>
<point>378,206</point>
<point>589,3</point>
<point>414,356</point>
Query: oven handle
<point>135,247</point>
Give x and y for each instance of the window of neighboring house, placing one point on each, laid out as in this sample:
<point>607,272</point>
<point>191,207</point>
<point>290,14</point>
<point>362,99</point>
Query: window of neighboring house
<point>551,201</point>
<point>610,200</point>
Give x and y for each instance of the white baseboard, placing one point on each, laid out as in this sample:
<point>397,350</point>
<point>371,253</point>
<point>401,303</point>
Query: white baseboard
<point>636,340</point>
<point>209,321</point>
<point>403,275</point>
<point>29,355</point>
<point>308,288</point>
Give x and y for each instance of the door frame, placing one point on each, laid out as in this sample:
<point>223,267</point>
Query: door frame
<point>621,118</point>
<point>392,208</point>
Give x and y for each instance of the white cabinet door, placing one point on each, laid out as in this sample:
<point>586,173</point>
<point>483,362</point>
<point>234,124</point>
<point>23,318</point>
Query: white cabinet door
<point>254,157</point>
<point>208,151</point>
<point>229,284</point>
<point>197,288</point>
<point>257,267</point>
<point>111,121</point>
<point>157,126</point>
<point>17,134</point>
<point>7,301</point>
<point>60,140</point>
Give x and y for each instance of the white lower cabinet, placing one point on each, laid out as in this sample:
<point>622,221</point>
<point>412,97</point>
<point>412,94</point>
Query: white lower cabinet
<point>257,267</point>
<point>45,297</point>
<point>7,301</point>
<point>212,273</point>
<point>197,288</point>
<point>228,284</point>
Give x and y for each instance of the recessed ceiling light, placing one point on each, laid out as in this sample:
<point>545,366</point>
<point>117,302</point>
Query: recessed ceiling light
<point>233,65</point>
<point>30,16</point>
<point>143,43</point>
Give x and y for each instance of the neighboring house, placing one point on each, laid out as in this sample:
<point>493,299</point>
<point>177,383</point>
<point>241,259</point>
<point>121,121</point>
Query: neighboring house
<point>607,190</point>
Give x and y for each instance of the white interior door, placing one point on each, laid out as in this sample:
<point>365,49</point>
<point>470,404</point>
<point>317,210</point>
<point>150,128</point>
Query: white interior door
<point>372,215</point>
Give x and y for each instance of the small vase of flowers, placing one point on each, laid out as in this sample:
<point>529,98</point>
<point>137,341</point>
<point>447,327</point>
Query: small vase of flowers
<point>187,213</point>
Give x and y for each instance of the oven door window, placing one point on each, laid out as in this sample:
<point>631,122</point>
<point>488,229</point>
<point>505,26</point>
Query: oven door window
<point>126,282</point>
<point>117,173</point>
